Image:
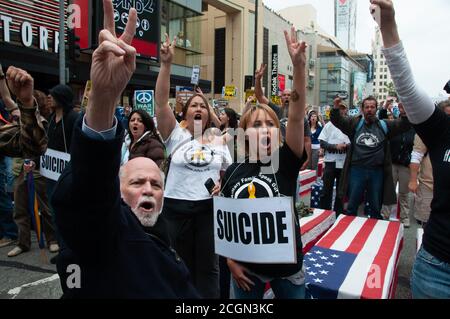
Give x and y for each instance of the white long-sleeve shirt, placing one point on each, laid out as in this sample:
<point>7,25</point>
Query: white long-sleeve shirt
<point>418,105</point>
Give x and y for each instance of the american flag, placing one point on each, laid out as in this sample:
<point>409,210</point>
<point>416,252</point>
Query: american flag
<point>356,258</point>
<point>313,227</point>
<point>306,180</point>
<point>315,194</point>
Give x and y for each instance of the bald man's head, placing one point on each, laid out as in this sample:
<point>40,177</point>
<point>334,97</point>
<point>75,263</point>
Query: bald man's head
<point>285,97</point>
<point>142,188</point>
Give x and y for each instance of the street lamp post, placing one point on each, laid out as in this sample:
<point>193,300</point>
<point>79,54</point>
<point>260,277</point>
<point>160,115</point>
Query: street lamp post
<point>62,44</point>
<point>255,49</point>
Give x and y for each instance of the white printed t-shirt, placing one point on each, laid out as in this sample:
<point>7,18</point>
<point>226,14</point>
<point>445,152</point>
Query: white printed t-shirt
<point>332,135</point>
<point>192,165</point>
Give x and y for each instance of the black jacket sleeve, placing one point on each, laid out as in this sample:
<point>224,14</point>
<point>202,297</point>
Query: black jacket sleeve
<point>344,123</point>
<point>87,197</point>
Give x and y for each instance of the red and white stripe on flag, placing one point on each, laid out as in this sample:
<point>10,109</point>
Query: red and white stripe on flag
<point>307,180</point>
<point>313,227</point>
<point>377,245</point>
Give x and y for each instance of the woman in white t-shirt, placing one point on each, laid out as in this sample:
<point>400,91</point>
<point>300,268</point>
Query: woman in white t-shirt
<point>195,160</point>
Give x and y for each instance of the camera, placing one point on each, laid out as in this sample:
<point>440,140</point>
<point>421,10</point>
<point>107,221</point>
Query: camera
<point>342,96</point>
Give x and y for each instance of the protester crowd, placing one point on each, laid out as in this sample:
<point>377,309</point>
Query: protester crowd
<point>132,208</point>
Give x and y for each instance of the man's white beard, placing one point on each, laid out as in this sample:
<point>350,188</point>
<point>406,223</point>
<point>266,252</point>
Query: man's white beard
<point>147,219</point>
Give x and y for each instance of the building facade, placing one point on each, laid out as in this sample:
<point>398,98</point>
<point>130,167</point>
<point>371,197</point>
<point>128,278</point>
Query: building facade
<point>279,75</point>
<point>382,75</point>
<point>228,41</point>
<point>345,23</point>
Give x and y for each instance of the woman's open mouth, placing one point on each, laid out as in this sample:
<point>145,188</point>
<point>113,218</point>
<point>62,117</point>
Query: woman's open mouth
<point>198,117</point>
<point>264,142</point>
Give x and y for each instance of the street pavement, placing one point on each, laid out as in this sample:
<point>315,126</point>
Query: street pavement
<point>28,276</point>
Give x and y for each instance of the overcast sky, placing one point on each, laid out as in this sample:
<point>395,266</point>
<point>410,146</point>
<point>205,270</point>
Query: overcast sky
<point>423,25</point>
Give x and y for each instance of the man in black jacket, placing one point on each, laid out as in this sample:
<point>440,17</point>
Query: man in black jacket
<point>401,148</point>
<point>113,249</point>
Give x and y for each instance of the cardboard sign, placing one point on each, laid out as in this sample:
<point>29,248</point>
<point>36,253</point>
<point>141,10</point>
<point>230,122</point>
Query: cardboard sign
<point>229,91</point>
<point>258,230</point>
<point>195,78</point>
<point>144,100</point>
<point>249,93</point>
<point>183,94</point>
<point>53,164</point>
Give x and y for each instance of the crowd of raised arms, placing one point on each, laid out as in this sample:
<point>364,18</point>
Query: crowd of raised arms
<point>136,206</point>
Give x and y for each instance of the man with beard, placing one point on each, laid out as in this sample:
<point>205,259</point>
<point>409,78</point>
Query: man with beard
<point>368,165</point>
<point>113,247</point>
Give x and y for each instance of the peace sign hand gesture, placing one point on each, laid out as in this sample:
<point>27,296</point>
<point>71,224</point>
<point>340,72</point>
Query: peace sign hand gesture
<point>113,64</point>
<point>259,73</point>
<point>168,50</point>
<point>297,50</point>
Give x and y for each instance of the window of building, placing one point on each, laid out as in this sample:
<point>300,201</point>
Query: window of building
<point>184,25</point>
<point>334,76</point>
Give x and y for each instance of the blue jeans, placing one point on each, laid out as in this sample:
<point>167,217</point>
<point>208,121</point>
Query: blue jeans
<point>7,226</point>
<point>282,288</point>
<point>361,180</point>
<point>430,278</point>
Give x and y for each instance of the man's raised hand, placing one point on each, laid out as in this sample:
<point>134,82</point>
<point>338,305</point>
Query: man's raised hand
<point>383,13</point>
<point>113,64</point>
<point>21,84</point>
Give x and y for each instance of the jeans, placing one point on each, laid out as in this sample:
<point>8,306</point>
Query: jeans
<point>22,212</point>
<point>330,174</point>
<point>430,278</point>
<point>282,288</point>
<point>370,180</point>
<point>8,228</point>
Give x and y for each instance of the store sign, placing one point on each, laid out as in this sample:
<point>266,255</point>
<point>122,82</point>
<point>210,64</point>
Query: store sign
<point>274,82</point>
<point>148,23</point>
<point>32,24</point>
